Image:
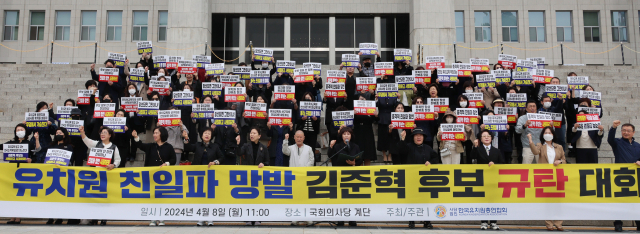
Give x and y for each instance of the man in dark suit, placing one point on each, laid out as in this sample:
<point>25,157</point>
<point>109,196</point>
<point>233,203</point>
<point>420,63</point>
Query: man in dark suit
<point>484,153</point>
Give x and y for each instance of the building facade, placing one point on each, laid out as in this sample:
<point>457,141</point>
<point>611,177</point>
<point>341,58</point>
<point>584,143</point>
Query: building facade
<point>590,32</point>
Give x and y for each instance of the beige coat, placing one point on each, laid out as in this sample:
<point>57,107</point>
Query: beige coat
<point>459,148</point>
<point>540,149</point>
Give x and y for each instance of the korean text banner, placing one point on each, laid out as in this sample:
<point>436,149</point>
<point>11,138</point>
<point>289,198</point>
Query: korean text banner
<point>375,193</point>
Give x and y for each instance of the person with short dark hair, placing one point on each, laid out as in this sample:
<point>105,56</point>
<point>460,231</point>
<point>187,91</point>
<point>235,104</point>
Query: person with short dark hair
<point>586,143</point>
<point>522,128</point>
<point>368,68</point>
<point>44,133</point>
<point>114,89</point>
<point>60,141</point>
<point>625,150</point>
<point>485,153</point>
<point>20,136</point>
<point>159,153</point>
<point>418,152</point>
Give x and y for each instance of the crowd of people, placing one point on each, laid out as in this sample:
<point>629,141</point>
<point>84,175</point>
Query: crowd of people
<point>251,141</point>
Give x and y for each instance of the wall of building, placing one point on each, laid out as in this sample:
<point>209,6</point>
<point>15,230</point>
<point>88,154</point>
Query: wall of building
<point>432,22</point>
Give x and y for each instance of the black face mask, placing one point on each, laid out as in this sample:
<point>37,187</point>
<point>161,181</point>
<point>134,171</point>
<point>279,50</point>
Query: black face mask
<point>106,100</point>
<point>308,99</point>
<point>75,117</point>
<point>583,106</point>
<point>58,138</point>
<point>367,64</point>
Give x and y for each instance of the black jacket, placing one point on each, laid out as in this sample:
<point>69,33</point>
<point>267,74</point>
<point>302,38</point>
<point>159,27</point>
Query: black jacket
<point>394,140</point>
<point>593,134</point>
<point>151,150</point>
<point>353,149</point>
<point>115,90</point>
<point>212,152</point>
<point>225,137</point>
<point>480,154</point>
<point>245,155</point>
<point>418,154</point>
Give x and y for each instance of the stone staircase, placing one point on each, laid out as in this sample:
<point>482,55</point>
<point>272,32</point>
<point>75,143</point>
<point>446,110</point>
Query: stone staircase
<point>22,86</point>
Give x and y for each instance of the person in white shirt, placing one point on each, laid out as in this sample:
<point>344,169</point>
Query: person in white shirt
<point>300,155</point>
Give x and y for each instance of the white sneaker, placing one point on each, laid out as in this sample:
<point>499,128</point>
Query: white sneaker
<point>294,223</point>
<point>484,226</point>
<point>161,223</point>
<point>201,223</point>
<point>210,223</point>
<point>257,223</point>
<point>309,223</point>
<point>153,223</point>
<point>248,223</point>
<point>494,226</point>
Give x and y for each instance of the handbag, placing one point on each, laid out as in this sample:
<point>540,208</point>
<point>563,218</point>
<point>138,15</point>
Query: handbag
<point>445,152</point>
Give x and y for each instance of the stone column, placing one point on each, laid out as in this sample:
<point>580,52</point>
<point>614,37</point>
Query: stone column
<point>432,22</point>
<point>189,25</point>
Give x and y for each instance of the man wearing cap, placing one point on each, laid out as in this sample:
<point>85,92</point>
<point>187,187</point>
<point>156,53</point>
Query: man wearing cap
<point>418,153</point>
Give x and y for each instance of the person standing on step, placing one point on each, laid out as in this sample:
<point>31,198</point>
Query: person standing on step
<point>625,150</point>
<point>113,89</point>
<point>485,153</point>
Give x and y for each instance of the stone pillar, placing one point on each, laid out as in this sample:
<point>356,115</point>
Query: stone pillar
<point>433,22</point>
<point>189,25</point>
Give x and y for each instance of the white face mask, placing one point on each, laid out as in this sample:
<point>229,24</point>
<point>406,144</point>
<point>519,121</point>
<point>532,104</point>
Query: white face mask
<point>548,137</point>
<point>132,91</point>
<point>160,74</point>
<point>468,91</point>
<point>463,104</point>
<point>186,90</point>
<point>45,110</point>
<point>21,134</point>
<point>449,119</point>
<point>546,105</point>
<point>265,65</point>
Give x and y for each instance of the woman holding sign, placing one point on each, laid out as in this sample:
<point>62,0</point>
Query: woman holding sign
<point>45,133</point>
<point>60,141</point>
<point>123,141</point>
<point>363,134</point>
<point>385,107</point>
<point>20,137</point>
<point>586,143</point>
<point>310,126</point>
<point>394,138</point>
<point>550,153</point>
<point>450,150</point>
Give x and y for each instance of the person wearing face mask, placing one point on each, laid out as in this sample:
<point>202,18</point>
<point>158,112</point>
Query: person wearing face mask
<point>143,86</point>
<point>369,68</point>
<point>522,128</point>
<point>625,150</point>
<point>203,124</point>
<point>557,106</point>
<point>550,153</point>
<point>94,124</point>
<point>586,143</point>
<point>350,84</point>
<point>123,140</point>
<point>265,66</point>
<point>469,129</point>
<point>93,86</point>
<point>205,153</point>
<point>403,68</point>
<point>430,126</point>
<point>60,141</point>
<point>501,86</point>
<point>20,133</point>
<point>194,85</point>
<point>137,122</point>
<point>113,89</point>
<point>44,133</point>
<point>449,150</point>
<point>394,138</point>
<point>485,153</point>
<point>79,148</point>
